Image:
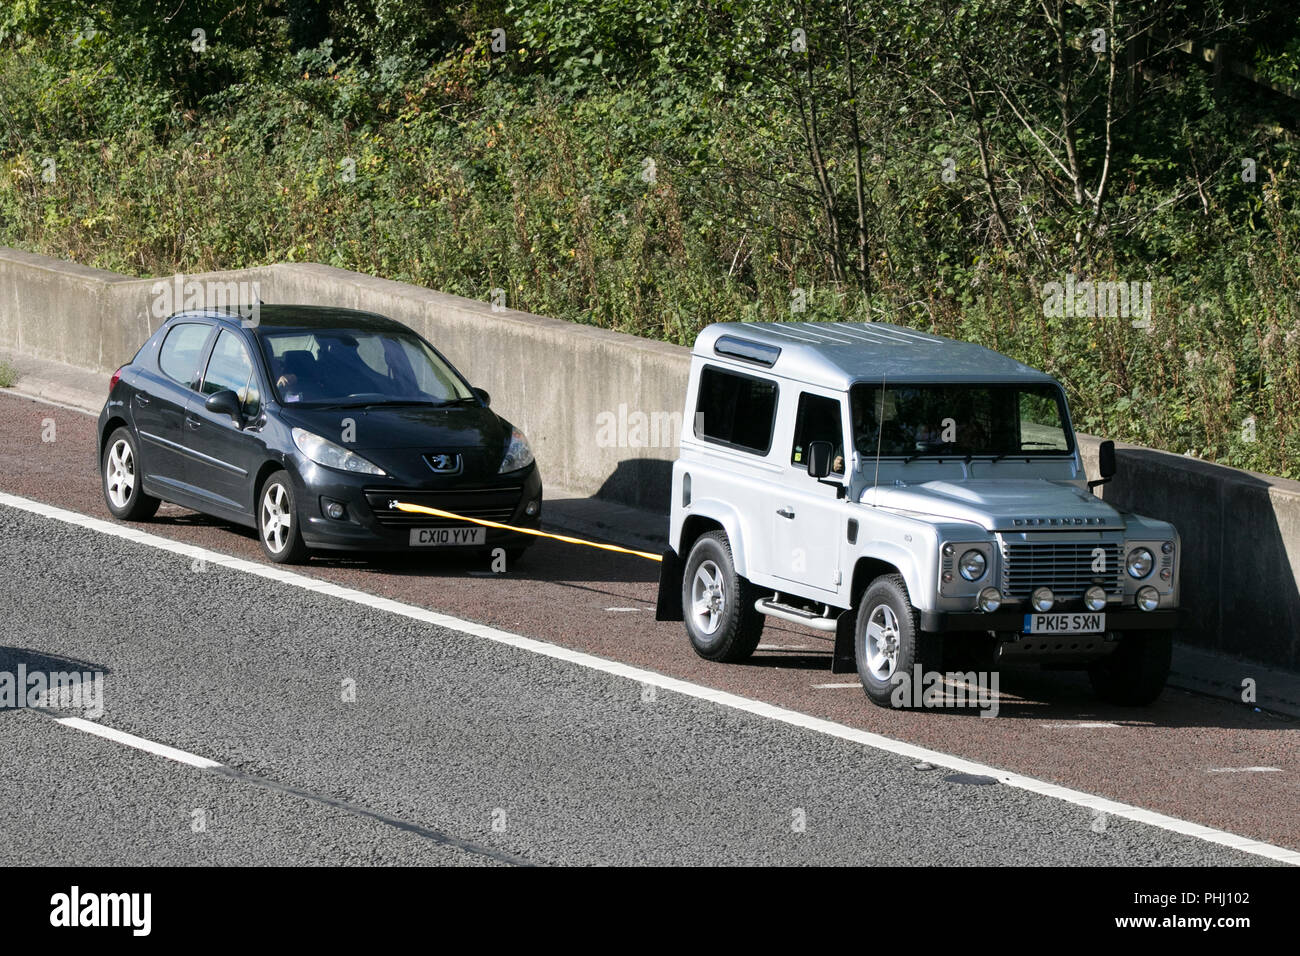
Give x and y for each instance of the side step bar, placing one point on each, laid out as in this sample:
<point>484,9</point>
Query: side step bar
<point>795,615</point>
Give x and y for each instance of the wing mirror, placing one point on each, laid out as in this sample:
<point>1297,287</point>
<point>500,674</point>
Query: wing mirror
<point>483,395</point>
<point>1105,463</point>
<point>225,402</point>
<point>819,465</point>
<point>819,459</point>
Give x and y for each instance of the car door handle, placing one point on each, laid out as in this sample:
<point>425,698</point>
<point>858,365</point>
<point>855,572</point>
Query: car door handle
<point>141,399</point>
<point>191,422</point>
<point>785,512</point>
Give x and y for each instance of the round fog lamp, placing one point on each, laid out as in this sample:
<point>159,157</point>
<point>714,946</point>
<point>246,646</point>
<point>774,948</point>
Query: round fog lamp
<point>1148,599</point>
<point>334,509</point>
<point>532,507</point>
<point>990,600</point>
<point>1094,599</point>
<point>1042,599</point>
<point>972,566</point>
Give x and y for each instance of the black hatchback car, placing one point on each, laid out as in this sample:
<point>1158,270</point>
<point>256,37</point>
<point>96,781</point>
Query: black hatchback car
<point>308,424</point>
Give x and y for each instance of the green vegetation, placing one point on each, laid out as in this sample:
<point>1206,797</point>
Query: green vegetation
<point>8,375</point>
<point>653,166</point>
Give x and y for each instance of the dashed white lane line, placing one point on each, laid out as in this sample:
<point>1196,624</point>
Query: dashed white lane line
<point>1085,724</point>
<point>139,743</point>
<point>831,686</point>
<point>673,684</point>
<point>1243,769</point>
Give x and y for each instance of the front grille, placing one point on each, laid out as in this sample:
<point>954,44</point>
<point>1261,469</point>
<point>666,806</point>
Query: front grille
<point>497,503</point>
<point>1063,566</point>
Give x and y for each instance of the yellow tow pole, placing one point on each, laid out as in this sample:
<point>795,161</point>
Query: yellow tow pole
<point>438,513</point>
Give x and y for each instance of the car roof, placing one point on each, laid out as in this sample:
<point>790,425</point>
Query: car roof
<point>299,317</point>
<point>839,354</point>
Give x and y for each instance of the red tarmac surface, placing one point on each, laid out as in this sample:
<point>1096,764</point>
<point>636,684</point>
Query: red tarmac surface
<point>1159,758</point>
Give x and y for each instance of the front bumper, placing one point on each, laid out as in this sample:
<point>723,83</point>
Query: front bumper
<point>1013,621</point>
<point>369,526</point>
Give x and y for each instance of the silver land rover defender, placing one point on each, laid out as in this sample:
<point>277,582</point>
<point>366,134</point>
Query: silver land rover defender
<point>912,495</point>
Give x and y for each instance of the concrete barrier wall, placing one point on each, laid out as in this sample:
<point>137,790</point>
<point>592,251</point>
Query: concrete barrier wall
<point>1241,547</point>
<point>602,408</point>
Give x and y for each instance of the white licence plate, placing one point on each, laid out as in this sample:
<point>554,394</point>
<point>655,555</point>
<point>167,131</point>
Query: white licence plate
<point>1078,622</point>
<point>447,537</point>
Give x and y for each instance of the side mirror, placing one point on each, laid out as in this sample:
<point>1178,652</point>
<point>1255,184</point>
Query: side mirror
<point>1105,463</point>
<point>483,395</point>
<point>819,459</point>
<point>224,402</point>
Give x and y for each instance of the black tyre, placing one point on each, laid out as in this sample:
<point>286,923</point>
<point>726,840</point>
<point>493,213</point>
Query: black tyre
<point>121,476</point>
<point>719,603</point>
<point>278,526</point>
<point>889,643</point>
<point>1135,672</point>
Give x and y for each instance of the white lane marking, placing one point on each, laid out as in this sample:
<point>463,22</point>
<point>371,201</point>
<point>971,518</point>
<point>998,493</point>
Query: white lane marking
<point>1243,769</point>
<point>781,647</point>
<point>139,743</point>
<point>829,686</point>
<point>622,610</point>
<point>686,688</point>
<point>1082,723</point>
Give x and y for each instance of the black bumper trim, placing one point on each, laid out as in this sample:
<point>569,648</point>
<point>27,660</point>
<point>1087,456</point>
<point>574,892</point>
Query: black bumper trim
<point>1125,620</point>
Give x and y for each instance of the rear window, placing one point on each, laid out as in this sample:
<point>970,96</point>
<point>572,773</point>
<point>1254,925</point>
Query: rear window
<point>736,410</point>
<point>179,356</point>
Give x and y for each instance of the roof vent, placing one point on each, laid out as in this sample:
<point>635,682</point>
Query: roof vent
<point>746,351</point>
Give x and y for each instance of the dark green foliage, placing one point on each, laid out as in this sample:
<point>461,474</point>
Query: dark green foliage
<point>653,166</point>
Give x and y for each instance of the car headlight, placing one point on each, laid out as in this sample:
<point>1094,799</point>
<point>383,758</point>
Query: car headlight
<point>973,565</point>
<point>1094,599</point>
<point>1140,562</point>
<point>518,453</point>
<point>990,600</point>
<point>325,452</point>
<point>1147,598</point>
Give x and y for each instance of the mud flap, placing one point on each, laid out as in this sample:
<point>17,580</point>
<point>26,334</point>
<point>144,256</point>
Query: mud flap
<point>843,661</point>
<point>668,606</point>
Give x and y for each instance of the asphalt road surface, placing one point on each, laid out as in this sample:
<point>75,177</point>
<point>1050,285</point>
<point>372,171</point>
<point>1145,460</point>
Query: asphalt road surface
<point>329,727</point>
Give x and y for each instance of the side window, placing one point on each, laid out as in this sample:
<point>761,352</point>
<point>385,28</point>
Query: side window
<point>179,356</point>
<point>230,367</point>
<point>818,419</point>
<point>734,409</point>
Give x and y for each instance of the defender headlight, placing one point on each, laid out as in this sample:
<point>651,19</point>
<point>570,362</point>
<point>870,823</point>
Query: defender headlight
<point>1042,599</point>
<point>518,453</point>
<point>1148,599</point>
<point>973,565</point>
<point>1140,562</point>
<point>325,452</point>
<point>1094,599</point>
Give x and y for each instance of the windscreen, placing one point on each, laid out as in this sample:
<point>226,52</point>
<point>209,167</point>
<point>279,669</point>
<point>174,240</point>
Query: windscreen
<point>957,420</point>
<point>338,367</point>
